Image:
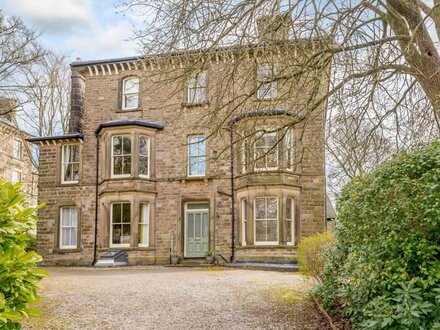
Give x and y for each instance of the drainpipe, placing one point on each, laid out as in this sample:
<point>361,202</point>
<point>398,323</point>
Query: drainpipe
<point>232,196</point>
<point>96,200</point>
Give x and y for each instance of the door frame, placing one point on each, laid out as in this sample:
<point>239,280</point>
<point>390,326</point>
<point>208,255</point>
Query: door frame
<point>185,215</point>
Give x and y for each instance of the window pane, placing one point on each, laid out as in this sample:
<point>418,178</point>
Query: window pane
<point>65,216</point>
<point>73,236</point>
<point>68,172</point>
<point>116,213</point>
<point>117,145</point>
<point>272,231</point>
<point>260,231</point>
<point>73,217</point>
<point>131,101</point>
<point>75,172</point>
<point>289,208</point>
<point>198,225</point>
<point>75,153</point>
<point>260,208</point>
<point>126,166</point>
<point>272,208</point>
<point>66,154</point>
<point>65,234</point>
<point>143,165</point>
<point>197,206</point>
<point>117,165</point>
<point>143,145</point>
<point>126,234</point>
<point>126,145</point>
<point>143,234</point>
<point>272,158</point>
<point>190,224</point>
<point>289,231</point>
<point>126,217</point>
<point>144,213</point>
<point>116,239</point>
<point>131,85</point>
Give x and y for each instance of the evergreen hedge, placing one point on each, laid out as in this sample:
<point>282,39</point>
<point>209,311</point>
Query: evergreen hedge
<point>384,272</point>
<point>18,275</point>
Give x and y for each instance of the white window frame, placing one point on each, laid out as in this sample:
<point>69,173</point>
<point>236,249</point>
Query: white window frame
<point>146,223</point>
<point>17,149</point>
<point>111,244</point>
<point>244,220</point>
<point>113,175</point>
<point>13,181</point>
<point>189,156</point>
<point>292,221</point>
<point>277,219</point>
<point>148,156</point>
<point>267,148</point>
<point>125,94</point>
<point>265,80</point>
<point>196,92</point>
<point>64,164</point>
<point>61,227</point>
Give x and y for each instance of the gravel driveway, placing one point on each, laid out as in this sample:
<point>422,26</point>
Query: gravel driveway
<point>174,298</point>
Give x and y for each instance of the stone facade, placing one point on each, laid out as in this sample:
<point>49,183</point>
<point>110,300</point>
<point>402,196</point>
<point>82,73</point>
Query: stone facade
<point>166,117</point>
<point>16,153</point>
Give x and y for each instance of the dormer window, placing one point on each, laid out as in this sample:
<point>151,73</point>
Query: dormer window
<point>267,86</point>
<point>197,88</point>
<point>130,93</point>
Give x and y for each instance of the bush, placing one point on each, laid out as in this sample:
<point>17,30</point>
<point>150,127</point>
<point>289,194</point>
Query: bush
<point>18,276</point>
<point>384,272</point>
<point>311,257</point>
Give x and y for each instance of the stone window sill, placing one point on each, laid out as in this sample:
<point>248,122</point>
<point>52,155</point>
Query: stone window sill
<point>63,251</point>
<point>129,110</point>
<point>127,248</point>
<point>195,104</point>
<point>196,178</point>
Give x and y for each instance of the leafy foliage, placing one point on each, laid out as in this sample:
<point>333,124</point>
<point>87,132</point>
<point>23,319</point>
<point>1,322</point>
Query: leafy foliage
<point>311,257</point>
<point>18,275</point>
<point>384,272</point>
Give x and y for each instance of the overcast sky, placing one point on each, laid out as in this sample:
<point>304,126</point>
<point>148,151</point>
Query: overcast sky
<point>89,29</point>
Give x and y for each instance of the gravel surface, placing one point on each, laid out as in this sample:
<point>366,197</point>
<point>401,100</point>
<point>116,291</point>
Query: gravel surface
<point>174,298</point>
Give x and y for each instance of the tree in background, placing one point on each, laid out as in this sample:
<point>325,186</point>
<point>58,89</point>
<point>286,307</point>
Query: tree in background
<point>384,83</point>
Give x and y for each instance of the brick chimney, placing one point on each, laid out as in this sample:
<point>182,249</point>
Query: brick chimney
<point>276,27</point>
<point>78,88</point>
<point>8,108</point>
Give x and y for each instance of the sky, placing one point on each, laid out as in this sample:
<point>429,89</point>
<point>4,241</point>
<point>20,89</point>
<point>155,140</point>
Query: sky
<point>88,29</point>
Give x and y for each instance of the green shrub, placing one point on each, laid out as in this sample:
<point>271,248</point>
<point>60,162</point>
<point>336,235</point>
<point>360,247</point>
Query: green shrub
<point>311,257</point>
<point>18,275</point>
<point>384,272</point>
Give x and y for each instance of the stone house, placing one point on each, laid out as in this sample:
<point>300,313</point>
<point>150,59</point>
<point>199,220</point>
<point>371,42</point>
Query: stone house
<point>164,157</point>
<point>16,153</point>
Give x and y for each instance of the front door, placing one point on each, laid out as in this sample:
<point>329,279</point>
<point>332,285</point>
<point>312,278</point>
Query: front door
<point>196,229</point>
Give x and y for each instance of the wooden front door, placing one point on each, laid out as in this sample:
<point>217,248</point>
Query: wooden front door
<point>196,230</point>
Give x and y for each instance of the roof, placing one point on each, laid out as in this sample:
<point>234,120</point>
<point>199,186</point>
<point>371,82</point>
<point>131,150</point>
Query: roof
<point>129,122</point>
<point>72,136</point>
<point>329,209</point>
<point>265,113</point>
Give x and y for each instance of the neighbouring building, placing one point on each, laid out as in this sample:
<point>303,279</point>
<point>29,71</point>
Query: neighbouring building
<point>16,153</point>
<point>152,167</point>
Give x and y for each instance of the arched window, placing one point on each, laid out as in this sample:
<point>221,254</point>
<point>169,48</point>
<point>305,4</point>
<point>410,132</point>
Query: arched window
<point>130,93</point>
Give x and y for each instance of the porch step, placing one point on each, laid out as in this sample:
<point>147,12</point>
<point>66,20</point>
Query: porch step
<point>116,258</point>
<point>265,265</point>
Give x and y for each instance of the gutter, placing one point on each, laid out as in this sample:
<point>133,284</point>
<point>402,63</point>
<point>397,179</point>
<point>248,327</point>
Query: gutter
<point>232,196</point>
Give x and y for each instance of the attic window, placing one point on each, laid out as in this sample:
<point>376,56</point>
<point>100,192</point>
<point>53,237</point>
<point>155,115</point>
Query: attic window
<point>130,93</point>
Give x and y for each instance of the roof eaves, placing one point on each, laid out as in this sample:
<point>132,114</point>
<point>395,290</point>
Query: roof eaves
<point>73,136</point>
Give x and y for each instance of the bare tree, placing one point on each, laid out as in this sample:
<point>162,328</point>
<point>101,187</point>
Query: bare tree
<point>384,83</point>
<point>46,97</point>
<point>18,49</point>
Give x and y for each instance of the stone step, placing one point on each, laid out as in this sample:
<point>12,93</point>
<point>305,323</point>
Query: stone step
<point>113,258</point>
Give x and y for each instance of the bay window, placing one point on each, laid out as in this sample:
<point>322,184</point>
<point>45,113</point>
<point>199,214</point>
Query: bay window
<point>244,221</point>
<point>266,220</point>
<point>121,156</point>
<point>120,227</point>
<point>68,228</point>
